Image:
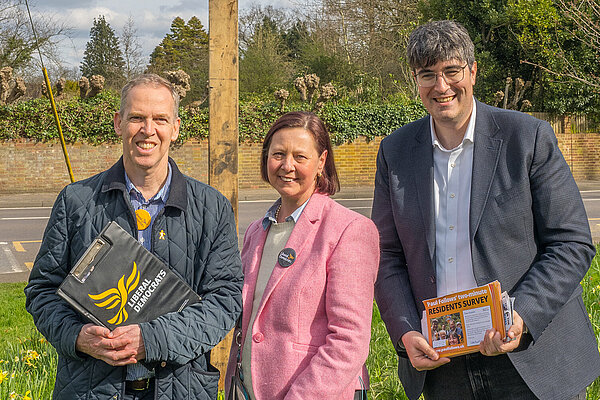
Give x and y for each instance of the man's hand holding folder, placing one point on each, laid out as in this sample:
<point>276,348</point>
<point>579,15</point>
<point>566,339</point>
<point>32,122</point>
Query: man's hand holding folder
<point>493,344</point>
<point>422,356</point>
<point>120,347</point>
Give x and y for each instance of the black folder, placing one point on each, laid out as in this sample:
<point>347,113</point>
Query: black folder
<point>118,282</point>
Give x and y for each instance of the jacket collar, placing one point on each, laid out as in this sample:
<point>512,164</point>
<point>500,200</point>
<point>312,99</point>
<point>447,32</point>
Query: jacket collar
<point>115,180</point>
<point>422,162</point>
<point>486,155</point>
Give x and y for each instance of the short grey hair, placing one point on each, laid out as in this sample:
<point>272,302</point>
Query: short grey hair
<point>149,80</point>
<point>439,41</point>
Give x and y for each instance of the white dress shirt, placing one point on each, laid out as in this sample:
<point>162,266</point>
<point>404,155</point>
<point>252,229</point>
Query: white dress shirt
<point>453,170</point>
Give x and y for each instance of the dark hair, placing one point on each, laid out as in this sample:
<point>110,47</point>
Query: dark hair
<point>439,41</point>
<point>149,80</point>
<point>328,182</point>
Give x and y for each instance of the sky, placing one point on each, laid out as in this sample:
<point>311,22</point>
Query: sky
<point>152,19</point>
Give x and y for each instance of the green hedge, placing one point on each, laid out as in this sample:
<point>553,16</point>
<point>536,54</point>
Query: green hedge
<point>91,120</point>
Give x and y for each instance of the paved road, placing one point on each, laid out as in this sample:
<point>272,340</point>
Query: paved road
<point>22,224</point>
<point>22,228</point>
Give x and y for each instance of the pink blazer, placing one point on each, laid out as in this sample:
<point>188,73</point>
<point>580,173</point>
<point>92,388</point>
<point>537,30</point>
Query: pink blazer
<point>311,334</point>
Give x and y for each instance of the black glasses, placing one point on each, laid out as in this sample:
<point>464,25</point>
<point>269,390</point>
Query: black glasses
<point>450,75</point>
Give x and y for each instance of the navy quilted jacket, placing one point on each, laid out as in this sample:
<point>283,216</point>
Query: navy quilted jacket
<point>201,246</point>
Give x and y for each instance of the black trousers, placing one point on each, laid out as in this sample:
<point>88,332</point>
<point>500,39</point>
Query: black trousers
<point>477,377</point>
<point>360,395</point>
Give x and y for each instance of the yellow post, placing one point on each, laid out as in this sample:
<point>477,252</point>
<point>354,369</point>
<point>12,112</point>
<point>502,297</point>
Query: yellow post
<point>57,120</point>
<point>223,119</point>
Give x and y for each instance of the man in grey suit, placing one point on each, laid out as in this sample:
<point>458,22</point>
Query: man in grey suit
<point>468,195</point>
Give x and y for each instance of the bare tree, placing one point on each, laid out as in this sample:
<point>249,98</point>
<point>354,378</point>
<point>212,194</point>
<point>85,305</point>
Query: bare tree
<point>369,33</point>
<point>132,49</point>
<point>585,16</point>
<point>17,42</point>
<point>255,17</point>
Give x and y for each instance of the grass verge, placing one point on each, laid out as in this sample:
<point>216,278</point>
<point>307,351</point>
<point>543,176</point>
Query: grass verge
<point>28,361</point>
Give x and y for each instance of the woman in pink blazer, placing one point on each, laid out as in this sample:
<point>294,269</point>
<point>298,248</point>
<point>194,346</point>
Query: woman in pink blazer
<point>310,265</point>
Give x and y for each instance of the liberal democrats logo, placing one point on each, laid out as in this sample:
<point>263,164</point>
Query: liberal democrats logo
<point>113,297</point>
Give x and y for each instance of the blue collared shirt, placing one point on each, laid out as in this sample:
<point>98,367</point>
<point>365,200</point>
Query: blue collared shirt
<point>270,215</point>
<point>153,206</point>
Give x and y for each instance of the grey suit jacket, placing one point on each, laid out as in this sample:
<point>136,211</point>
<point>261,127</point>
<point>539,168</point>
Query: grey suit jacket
<point>528,229</point>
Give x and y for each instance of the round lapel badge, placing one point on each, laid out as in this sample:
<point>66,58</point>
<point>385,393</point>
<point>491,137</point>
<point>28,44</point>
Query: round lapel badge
<point>286,257</point>
<point>143,219</point>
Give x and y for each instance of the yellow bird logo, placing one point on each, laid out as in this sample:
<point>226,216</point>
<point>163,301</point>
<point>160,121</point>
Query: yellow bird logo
<point>113,297</point>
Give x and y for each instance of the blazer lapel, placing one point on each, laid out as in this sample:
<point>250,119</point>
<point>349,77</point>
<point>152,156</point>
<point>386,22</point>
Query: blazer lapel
<point>297,240</point>
<point>486,153</point>
<point>422,161</point>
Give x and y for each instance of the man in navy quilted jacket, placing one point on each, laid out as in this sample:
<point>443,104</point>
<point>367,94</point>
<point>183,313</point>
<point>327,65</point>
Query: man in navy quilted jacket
<point>186,223</point>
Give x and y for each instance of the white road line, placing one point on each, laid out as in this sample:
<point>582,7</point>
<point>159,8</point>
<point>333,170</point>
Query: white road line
<point>336,199</point>
<point>8,262</point>
<point>25,208</point>
<point>356,199</point>
<point>256,201</point>
<point>20,218</point>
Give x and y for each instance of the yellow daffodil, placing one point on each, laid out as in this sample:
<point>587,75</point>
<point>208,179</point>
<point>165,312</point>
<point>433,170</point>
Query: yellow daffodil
<point>3,375</point>
<point>27,397</point>
<point>12,395</point>
<point>30,356</point>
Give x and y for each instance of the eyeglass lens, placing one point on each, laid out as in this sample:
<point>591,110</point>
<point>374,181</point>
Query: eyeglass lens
<point>450,75</point>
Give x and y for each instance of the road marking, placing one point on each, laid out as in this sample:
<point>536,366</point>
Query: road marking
<point>359,208</point>
<point>25,208</point>
<point>18,245</point>
<point>356,199</point>
<point>29,265</point>
<point>336,199</point>
<point>8,262</point>
<point>20,218</point>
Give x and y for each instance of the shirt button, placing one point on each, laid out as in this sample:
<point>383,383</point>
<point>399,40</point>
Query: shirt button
<point>258,337</point>
<point>450,259</point>
<point>163,364</point>
<point>451,227</point>
<point>452,195</point>
<point>453,165</point>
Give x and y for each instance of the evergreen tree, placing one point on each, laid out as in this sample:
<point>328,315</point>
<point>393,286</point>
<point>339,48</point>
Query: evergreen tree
<point>264,63</point>
<point>102,54</point>
<point>184,47</point>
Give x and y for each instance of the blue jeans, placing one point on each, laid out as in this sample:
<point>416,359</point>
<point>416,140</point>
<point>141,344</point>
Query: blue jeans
<point>477,377</point>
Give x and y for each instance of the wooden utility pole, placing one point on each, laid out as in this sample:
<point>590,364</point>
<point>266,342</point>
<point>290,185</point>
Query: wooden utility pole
<point>223,119</point>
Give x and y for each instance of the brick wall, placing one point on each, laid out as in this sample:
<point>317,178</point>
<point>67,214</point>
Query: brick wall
<point>582,153</point>
<point>39,167</point>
